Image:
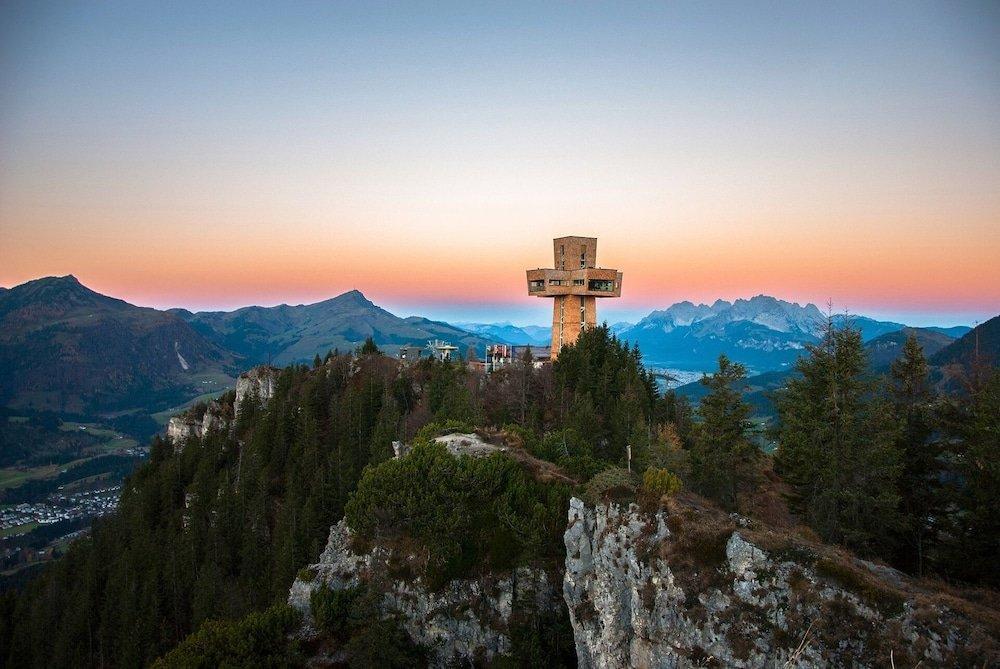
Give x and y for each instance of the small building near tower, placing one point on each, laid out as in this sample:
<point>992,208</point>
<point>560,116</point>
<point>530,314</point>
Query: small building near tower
<point>442,350</point>
<point>499,356</point>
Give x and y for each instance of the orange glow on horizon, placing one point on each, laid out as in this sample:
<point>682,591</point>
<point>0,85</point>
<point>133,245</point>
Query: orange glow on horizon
<point>208,269</point>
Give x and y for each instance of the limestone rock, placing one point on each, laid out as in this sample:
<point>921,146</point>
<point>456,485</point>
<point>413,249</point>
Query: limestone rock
<point>197,422</point>
<point>457,443</point>
<point>466,621</point>
<point>638,597</point>
<point>260,380</point>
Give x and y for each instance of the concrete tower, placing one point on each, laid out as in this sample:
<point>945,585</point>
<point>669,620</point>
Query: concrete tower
<point>574,284</point>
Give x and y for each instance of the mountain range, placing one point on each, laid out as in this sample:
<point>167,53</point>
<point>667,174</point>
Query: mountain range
<point>65,347</point>
<point>507,333</point>
<point>952,362</point>
<point>288,334</point>
<point>69,349</point>
<point>763,333</point>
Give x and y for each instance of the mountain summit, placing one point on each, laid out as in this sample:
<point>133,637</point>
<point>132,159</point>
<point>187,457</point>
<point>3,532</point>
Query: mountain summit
<point>287,334</point>
<point>764,310</point>
<point>762,332</point>
<point>66,347</point>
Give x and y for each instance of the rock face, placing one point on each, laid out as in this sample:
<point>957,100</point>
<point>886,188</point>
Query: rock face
<point>182,427</point>
<point>260,381</point>
<point>204,418</point>
<point>636,599</point>
<point>197,422</point>
<point>466,621</point>
<point>457,444</point>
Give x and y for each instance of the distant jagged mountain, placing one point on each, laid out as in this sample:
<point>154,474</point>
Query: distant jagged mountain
<point>64,347</point>
<point>288,334</point>
<point>763,332</point>
<point>506,333</point>
<point>619,327</point>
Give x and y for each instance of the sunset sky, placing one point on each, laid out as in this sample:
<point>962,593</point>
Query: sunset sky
<point>214,156</point>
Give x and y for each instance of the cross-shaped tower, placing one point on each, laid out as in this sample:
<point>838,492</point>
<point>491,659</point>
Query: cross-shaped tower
<point>575,283</point>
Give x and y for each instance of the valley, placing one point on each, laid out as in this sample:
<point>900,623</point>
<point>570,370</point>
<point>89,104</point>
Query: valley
<point>56,477</point>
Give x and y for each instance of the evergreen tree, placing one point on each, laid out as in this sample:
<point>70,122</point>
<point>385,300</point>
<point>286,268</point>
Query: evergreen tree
<point>387,430</point>
<point>676,410</point>
<point>971,526</point>
<point>723,456</point>
<point>837,445</point>
<point>621,391</point>
<point>912,400</point>
<point>369,347</point>
<point>666,451</point>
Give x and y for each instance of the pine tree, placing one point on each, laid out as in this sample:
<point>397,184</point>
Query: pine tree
<point>723,455</point>
<point>369,347</point>
<point>837,445</point>
<point>386,430</point>
<point>971,526</point>
<point>666,451</point>
<point>919,487</point>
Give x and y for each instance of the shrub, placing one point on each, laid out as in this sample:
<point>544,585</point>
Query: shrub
<point>518,436</point>
<point>469,513</point>
<point>658,482</point>
<point>331,609</point>
<point>259,640</point>
<point>384,643</point>
<point>611,485</point>
<point>581,467</point>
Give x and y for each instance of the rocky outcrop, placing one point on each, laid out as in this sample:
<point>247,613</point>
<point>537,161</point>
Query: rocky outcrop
<point>197,422</point>
<point>259,381</point>
<point>457,443</point>
<point>182,427</point>
<point>466,621</point>
<point>200,420</point>
<point>675,590</point>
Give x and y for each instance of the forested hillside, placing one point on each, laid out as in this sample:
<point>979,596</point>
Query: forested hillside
<point>218,528</point>
<point>66,348</point>
<point>289,334</point>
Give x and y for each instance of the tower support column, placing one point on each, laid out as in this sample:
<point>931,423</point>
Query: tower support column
<point>571,315</point>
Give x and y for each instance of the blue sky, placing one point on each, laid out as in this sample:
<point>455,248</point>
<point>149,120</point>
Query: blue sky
<point>213,155</point>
